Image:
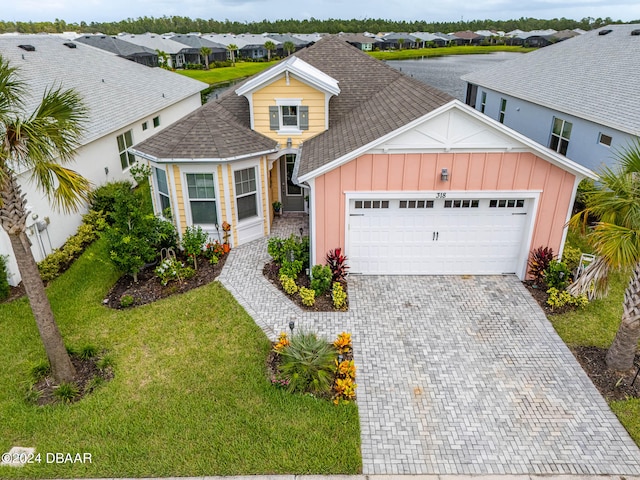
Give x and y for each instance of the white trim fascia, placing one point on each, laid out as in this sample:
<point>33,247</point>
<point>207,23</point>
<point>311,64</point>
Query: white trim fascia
<point>202,160</point>
<point>249,97</point>
<point>299,68</point>
<point>283,151</point>
<point>312,222</point>
<point>569,215</point>
<point>536,148</point>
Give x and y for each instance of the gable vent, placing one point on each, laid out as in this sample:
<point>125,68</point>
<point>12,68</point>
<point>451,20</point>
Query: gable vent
<point>635,32</point>
<point>28,48</point>
<point>605,32</point>
<point>70,44</point>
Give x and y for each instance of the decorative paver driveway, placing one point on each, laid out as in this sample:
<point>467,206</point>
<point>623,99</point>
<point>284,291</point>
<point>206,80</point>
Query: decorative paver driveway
<point>456,375</point>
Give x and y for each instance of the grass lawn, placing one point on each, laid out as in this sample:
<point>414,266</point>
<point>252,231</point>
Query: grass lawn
<point>190,396</point>
<point>227,74</point>
<point>596,325</point>
<point>439,52</point>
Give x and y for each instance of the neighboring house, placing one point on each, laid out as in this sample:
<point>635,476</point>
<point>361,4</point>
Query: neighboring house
<point>404,178</point>
<point>361,42</point>
<point>281,39</point>
<point>126,103</point>
<point>468,37</point>
<point>579,97</point>
<point>179,53</point>
<point>397,41</point>
<point>218,51</point>
<point>429,39</point>
<point>137,53</point>
<point>249,45</point>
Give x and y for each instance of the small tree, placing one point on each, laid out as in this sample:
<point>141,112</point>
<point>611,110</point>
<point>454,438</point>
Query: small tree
<point>193,242</point>
<point>163,59</point>
<point>270,47</point>
<point>289,46</point>
<point>205,52</point>
<point>232,48</point>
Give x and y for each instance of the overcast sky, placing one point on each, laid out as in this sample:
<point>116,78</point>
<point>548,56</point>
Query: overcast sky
<point>253,10</point>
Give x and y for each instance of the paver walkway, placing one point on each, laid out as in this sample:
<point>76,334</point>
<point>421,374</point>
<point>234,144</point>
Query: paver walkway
<point>456,375</point>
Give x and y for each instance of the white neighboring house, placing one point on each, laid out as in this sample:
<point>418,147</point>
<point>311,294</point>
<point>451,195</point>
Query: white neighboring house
<point>127,103</point>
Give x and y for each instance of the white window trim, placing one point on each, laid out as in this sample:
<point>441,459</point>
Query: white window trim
<point>600,134</point>
<point>288,102</point>
<point>257,193</point>
<point>187,199</point>
<point>126,149</point>
<point>160,194</point>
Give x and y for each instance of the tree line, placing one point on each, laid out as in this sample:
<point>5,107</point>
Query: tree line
<point>183,25</point>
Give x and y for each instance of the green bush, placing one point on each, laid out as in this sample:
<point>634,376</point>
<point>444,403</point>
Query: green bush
<point>126,301</point>
<point>193,242</point>
<point>321,279</point>
<point>560,298</point>
<point>557,275</point>
<point>288,285</point>
<point>290,249</point>
<point>291,269</point>
<point>339,296</point>
<point>308,296</point>
<point>571,257</point>
<point>308,363</point>
<point>103,198</point>
<point>4,278</point>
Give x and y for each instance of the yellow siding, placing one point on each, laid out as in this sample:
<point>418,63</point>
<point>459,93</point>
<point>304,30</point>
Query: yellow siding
<point>181,212</point>
<point>273,185</point>
<point>312,98</point>
<point>265,209</point>
<point>222,198</point>
<point>234,217</point>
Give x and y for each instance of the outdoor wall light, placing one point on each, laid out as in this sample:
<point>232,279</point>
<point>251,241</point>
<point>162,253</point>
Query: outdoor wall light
<point>106,170</point>
<point>289,143</point>
<point>444,175</point>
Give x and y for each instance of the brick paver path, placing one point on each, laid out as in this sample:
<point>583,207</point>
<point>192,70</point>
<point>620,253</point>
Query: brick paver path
<point>456,375</point>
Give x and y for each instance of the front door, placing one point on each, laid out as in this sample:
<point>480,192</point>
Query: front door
<point>292,194</point>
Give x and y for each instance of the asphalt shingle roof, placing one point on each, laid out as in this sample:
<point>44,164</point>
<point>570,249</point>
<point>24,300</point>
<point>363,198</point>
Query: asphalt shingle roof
<point>117,92</point>
<point>374,100</point>
<point>591,76</point>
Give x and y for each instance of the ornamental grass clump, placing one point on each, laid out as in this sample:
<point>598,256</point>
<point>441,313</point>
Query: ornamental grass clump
<point>308,364</point>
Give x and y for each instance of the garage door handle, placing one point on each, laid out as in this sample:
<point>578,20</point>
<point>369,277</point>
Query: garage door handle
<point>519,213</point>
<point>435,236</point>
<point>356,214</point>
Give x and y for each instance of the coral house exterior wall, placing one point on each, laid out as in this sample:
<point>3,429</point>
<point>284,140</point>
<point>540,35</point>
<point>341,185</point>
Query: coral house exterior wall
<point>420,172</point>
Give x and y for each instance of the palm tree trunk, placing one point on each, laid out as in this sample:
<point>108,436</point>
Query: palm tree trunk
<point>623,349</point>
<point>13,218</point>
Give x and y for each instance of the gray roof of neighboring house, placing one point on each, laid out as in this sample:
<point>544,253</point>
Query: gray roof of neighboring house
<point>374,100</point>
<point>155,42</point>
<point>115,45</point>
<point>390,37</point>
<point>196,41</point>
<point>591,76</point>
<point>358,38</point>
<point>281,38</point>
<point>117,92</point>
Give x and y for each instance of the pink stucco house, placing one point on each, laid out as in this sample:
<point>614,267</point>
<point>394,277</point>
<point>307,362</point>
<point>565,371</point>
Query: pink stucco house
<point>404,178</point>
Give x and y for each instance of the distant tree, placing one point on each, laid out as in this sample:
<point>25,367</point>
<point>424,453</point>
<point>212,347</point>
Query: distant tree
<point>270,46</point>
<point>289,46</point>
<point>232,48</point>
<point>205,52</point>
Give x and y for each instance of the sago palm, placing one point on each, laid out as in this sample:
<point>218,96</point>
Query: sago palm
<point>615,203</point>
<point>38,143</point>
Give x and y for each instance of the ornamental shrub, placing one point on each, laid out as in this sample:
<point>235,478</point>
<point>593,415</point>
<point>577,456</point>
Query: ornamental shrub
<point>560,298</point>
<point>320,279</point>
<point>291,269</point>
<point>557,275</point>
<point>4,278</point>
<point>539,261</point>
<point>571,257</point>
<point>103,198</point>
<point>193,242</point>
<point>339,296</point>
<point>288,284</point>
<point>338,264</point>
<point>308,296</point>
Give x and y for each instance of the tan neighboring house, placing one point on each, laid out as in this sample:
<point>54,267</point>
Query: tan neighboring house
<point>127,103</point>
<point>401,176</point>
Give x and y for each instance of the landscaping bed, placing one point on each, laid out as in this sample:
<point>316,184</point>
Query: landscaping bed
<point>149,288</point>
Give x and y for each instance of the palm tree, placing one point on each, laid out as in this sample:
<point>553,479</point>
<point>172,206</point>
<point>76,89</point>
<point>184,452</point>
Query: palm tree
<point>289,46</point>
<point>163,59</point>
<point>205,52</point>
<point>232,48</point>
<point>40,143</point>
<point>616,239</point>
<point>400,43</point>
<point>270,47</point>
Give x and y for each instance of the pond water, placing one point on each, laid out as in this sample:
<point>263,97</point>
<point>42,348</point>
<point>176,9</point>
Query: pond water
<point>445,72</point>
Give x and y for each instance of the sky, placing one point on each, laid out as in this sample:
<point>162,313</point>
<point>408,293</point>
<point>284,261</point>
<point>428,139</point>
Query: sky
<point>74,11</point>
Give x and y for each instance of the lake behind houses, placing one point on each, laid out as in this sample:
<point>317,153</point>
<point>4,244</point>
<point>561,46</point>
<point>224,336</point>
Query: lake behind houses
<point>445,72</point>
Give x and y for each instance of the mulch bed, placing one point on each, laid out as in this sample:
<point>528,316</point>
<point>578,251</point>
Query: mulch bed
<point>15,293</point>
<point>86,370</point>
<point>148,288</point>
<point>324,303</point>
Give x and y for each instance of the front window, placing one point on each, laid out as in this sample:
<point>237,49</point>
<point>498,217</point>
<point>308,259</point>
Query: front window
<point>483,101</point>
<point>560,135</point>
<point>163,189</point>
<point>503,109</point>
<point>605,140</point>
<point>202,198</point>
<point>124,142</point>
<point>289,116</point>
<point>156,122</point>
<point>246,193</point>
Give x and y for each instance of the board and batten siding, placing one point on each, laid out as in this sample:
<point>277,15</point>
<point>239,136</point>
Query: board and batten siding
<point>420,172</point>
<point>266,97</point>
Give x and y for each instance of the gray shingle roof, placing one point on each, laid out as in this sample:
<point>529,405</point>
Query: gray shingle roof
<point>115,45</point>
<point>374,100</point>
<point>591,76</point>
<point>117,92</point>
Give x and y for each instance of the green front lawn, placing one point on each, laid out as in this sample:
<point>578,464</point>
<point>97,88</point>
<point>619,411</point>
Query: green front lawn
<point>227,74</point>
<point>190,395</point>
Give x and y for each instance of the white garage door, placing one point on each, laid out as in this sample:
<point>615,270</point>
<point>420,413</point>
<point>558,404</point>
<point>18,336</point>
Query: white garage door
<point>437,236</point>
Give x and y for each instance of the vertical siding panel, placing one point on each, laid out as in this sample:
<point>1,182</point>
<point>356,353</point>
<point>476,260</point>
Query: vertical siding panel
<point>347,183</point>
<point>182,215</point>
<point>333,214</point>
<point>411,174</point>
<point>364,172</point>
<point>522,177</point>
<point>266,212</point>
<point>320,201</point>
<point>459,171</point>
<point>396,172</point>
<point>380,173</point>
<point>508,168</point>
<point>476,171</point>
<point>491,174</point>
<point>429,162</point>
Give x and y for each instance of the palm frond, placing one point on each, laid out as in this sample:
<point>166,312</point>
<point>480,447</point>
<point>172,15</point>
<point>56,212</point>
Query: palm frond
<point>66,188</point>
<point>12,90</point>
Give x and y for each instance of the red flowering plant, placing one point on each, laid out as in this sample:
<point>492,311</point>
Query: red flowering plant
<point>337,262</point>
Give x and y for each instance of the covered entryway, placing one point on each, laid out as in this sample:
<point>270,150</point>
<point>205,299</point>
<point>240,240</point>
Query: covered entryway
<point>465,235</point>
<point>292,194</point>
